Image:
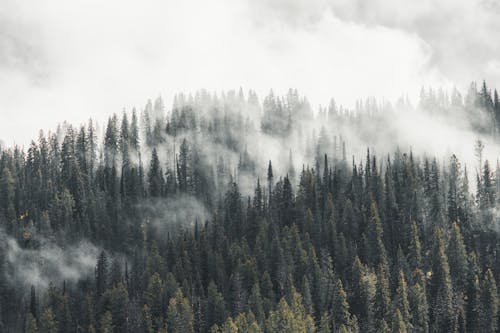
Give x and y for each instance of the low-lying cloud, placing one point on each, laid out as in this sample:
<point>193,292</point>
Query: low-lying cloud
<point>74,60</point>
<point>47,263</point>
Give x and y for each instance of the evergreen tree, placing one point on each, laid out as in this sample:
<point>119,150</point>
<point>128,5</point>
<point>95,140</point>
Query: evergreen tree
<point>216,308</point>
<point>146,320</point>
<point>401,302</point>
<point>106,323</point>
<point>155,176</point>
<point>30,325</point>
<point>179,314</point>
<point>48,323</point>
<point>457,256</point>
<point>489,293</point>
<point>441,288</point>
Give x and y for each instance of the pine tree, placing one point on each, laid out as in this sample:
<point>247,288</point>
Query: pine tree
<point>116,302</point>
<point>101,273</point>
<point>324,324</point>
<point>453,189</point>
<point>155,176</point>
<point>290,318</point>
<point>401,299</point>
<point>415,248</point>
<point>48,323</point>
<point>418,304</point>
<point>30,325</point>
<point>340,307</point>
<point>270,182</point>
<point>489,298</point>
<point>475,312</point>
<point>256,304</point>
<point>457,256</point>
<point>106,323</point>
<point>33,303</point>
<point>216,308</point>
<point>229,326</point>
<point>441,287</point>
<point>146,320</point>
<point>376,247</point>
<point>382,306</point>
<point>398,323</point>
<point>179,314</point>
<point>183,166</point>
<point>155,298</point>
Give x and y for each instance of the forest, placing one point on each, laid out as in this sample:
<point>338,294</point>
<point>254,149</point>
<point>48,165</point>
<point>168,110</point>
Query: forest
<point>226,213</point>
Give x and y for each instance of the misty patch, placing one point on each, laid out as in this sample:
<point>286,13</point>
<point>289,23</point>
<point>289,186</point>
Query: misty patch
<point>171,215</point>
<point>47,263</point>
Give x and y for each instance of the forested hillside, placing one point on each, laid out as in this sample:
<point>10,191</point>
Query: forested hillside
<point>224,213</point>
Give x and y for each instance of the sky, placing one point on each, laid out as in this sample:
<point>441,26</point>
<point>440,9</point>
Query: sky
<point>74,59</point>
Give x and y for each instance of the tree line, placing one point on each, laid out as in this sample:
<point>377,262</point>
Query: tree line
<point>397,243</point>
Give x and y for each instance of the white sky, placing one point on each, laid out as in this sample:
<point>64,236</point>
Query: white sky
<point>75,59</point>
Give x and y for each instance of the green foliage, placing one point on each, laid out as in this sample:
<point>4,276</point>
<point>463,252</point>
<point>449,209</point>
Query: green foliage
<point>179,314</point>
<point>106,323</point>
<point>30,325</point>
<point>394,244</point>
<point>48,323</point>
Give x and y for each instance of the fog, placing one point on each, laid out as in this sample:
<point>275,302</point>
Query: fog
<point>47,263</point>
<point>198,142</point>
<point>80,59</point>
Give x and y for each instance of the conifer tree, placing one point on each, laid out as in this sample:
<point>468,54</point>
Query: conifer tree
<point>30,325</point>
<point>441,287</point>
<point>106,323</point>
<point>489,296</point>
<point>48,323</point>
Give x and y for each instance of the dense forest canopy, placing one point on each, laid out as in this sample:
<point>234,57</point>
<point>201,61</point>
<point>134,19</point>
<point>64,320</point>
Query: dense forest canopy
<point>227,213</point>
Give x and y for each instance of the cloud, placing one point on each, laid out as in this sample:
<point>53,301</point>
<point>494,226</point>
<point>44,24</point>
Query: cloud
<point>70,60</point>
<point>460,33</point>
<point>47,263</point>
<point>176,213</point>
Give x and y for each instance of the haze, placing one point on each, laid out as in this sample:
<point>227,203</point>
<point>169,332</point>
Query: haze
<point>71,60</point>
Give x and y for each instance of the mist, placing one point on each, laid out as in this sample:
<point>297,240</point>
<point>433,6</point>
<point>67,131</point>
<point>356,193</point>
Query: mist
<point>69,61</point>
<point>249,165</point>
<point>47,263</point>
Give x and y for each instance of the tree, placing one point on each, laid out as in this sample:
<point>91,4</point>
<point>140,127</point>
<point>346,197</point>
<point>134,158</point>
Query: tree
<point>106,323</point>
<point>489,296</point>
<point>340,307</point>
<point>179,314</point>
<point>382,306</point>
<point>401,302</point>
<point>229,326</point>
<point>216,308</point>
<point>30,325</point>
<point>457,256</point>
<point>155,176</point>
<point>418,303</point>
<point>48,323</point>
<point>441,287</point>
<point>324,323</point>
<point>454,189</point>
<point>155,298</point>
<point>101,274</point>
<point>270,181</point>
<point>284,319</point>
<point>376,247</point>
<point>115,301</point>
<point>33,303</point>
<point>398,323</point>
<point>183,167</point>
<point>415,248</point>
<point>146,320</point>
